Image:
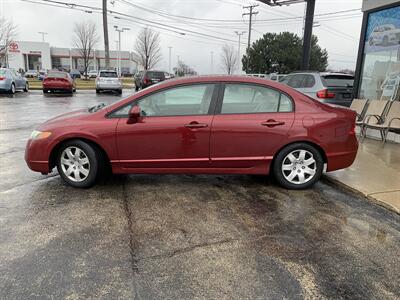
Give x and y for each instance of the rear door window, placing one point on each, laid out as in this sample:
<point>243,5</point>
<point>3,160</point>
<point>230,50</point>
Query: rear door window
<point>296,81</point>
<point>248,99</point>
<point>337,80</point>
<point>308,82</point>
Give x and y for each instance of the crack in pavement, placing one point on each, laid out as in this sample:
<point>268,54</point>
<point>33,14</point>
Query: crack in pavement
<point>188,249</point>
<point>134,260</point>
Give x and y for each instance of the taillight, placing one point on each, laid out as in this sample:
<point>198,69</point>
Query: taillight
<point>325,94</point>
<point>2,78</point>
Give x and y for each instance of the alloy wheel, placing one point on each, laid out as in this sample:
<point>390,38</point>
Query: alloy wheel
<point>75,164</point>
<point>299,166</point>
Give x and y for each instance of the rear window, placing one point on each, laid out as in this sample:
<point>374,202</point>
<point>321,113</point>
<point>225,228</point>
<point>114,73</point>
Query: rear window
<point>108,74</point>
<point>338,80</point>
<point>2,72</point>
<point>152,74</point>
<point>57,75</point>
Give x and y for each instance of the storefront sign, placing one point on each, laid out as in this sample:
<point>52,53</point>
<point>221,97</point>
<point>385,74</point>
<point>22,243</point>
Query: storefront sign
<point>13,47</point>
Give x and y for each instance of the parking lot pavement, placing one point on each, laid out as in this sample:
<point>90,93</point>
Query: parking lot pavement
<point>181,236</point>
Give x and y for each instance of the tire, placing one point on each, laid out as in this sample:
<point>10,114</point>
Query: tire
<point>119,92</point>
<point>82,175</point>
<point>297,172</point>
<point>97,91</point>
<point>136,87</point>
<point>12,89</point>
<point>26,89</point>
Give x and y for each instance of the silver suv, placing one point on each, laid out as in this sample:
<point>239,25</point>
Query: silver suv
<point>331,88</point>
<point>108,80</point>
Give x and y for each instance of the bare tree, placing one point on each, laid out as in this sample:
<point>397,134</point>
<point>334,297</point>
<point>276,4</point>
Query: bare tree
<point>147,50</point>
<point>183,69</point>
<point>85,39</point>
<point>8,33</point>
<point>229,59</point>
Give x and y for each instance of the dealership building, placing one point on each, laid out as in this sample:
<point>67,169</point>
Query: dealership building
<point>41,56</point>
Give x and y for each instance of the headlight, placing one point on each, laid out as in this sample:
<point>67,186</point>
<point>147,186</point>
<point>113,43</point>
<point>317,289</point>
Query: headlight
<point>36,135</point>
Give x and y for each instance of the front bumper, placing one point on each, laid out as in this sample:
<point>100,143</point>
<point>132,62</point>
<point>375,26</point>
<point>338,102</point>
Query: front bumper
<point>36,156</point>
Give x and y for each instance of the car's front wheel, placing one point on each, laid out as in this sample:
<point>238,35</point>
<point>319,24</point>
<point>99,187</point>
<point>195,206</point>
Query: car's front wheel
<point>298,166</point>
<point>78,163</point>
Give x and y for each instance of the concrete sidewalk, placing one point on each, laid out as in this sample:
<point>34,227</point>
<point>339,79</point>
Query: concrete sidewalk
<point>375,173</point>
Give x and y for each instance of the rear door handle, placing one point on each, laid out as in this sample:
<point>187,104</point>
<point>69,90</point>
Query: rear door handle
<point>195,125</point>
<point>272,123</point>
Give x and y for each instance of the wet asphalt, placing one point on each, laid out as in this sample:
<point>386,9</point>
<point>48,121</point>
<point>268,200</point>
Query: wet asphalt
<point>180,236</point>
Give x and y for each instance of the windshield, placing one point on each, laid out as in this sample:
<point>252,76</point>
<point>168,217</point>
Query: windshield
<point>109,74</point>
<point>338,80</point>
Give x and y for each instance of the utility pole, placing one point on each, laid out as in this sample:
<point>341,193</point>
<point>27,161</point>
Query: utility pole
<point>119,46</point>
<point>250,14</point>
<point>308,27</point>
<point>212,62</point>
<point>43,34</point>
<point>240,35</point>
<point>105,30</point>
<point>169,59</point>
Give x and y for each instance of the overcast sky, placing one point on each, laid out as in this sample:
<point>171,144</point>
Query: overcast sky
<point>338,33</point>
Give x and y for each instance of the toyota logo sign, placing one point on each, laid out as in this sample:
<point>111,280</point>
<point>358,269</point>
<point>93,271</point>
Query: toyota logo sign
<point>13,47</point>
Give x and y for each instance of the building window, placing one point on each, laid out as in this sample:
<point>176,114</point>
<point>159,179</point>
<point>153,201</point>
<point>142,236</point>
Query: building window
<point>380,74</point>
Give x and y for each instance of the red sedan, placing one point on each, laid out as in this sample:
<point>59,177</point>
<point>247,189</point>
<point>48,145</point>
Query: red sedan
<point>219,124</point>
<point>58,81</point>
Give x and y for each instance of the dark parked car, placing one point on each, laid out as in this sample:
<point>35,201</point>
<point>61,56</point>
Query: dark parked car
<point>58,81</point>
<point>331,88</point>
<point>75,74</point>
<point>210,124</point>
<point>145,79</point>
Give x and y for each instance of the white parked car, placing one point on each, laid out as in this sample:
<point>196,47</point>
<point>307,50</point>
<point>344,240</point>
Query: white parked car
<point>92,74</point>
<point>385,35</point>
<point>108,80</point>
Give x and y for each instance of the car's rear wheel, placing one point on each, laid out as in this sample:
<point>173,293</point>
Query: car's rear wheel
<point>119,92</point>
<point>298,166</point>
<point>12,89</point>
<point>136,88</point>
<point>26,89</point>
<point>78,163</point>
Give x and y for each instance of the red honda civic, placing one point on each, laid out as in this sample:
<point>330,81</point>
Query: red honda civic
<point>210,124</point>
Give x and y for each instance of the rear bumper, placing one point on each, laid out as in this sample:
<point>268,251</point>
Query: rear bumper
<point>5,85</point>
<point>57,86</point>
<point>109,86</point>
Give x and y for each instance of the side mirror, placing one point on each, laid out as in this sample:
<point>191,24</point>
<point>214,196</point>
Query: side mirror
<point>134,114</point>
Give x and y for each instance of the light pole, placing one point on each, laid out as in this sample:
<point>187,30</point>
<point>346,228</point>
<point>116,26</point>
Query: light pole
<point>119,30</point>
<point>240,35</point>
<point>43,34</point>
<point>169,59</point>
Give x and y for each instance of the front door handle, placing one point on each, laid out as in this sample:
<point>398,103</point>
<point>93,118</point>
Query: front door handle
<point>195,125</point>
<point>272,123</point>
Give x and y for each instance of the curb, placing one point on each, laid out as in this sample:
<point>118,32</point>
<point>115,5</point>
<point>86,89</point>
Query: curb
<point>356,192</point>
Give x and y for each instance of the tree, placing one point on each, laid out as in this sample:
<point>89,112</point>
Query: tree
<point>8,33</point>
<point>229,59</point>
<point>281,53</point>
<point>147,50</point>
<point>85,39</point>
<point>183,69</point>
